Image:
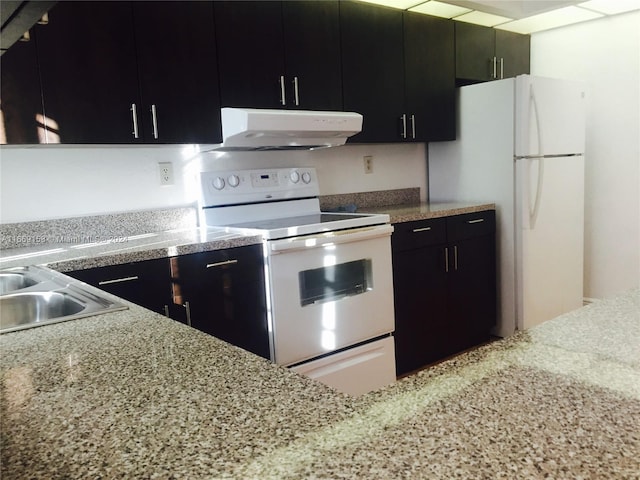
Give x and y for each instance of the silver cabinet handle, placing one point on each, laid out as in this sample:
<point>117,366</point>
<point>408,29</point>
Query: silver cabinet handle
<point>494,63</point>
<point>501,67</point>
<point>166,310</point>
<point>154,120</point>
<point>413,126</point>
<point>296,90</point>
<point>134,114</point>
<point>446,259</point>
<point>188,308</point>
<point>404,125</point>
<point>220,264</point>
<point>477,220</point>
<point>455,257</point>
<point>423,229</point>
<point>283,99</point>
<point>118,280</point>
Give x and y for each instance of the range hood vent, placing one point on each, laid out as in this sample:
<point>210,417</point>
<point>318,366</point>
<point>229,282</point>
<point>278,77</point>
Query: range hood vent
<point>246,129</point>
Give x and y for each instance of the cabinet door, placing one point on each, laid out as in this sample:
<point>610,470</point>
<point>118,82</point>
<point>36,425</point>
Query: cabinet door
<point>513,52</point>
<point>472,277</point>
<point>250,53</point>
<point>373,69</point>
<point>224,294</point>
<point>177,65</point>
<point>88,70</point>
<point>145,283</point>
<point>312,55</point>
<point>420,293</point>
<point>20,95</point>
<point>475,50</point>
<point>429,56</point>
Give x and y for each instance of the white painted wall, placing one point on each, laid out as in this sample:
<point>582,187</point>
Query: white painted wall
<point>606,54</point>
<point>46,182</point>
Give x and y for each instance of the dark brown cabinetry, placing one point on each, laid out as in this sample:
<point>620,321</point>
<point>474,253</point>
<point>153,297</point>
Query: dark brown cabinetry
<point>398,71</point>
<point>146,283</point>
<point>484,54</point>
<point>219,292</point>
<point>444,286</point>
<point>124,72</point>
<point>20,95</point>
<point>222,293</point>
<point>285,55</point>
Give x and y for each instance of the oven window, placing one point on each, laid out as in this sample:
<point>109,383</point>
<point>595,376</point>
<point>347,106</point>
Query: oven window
<point>335,281</point>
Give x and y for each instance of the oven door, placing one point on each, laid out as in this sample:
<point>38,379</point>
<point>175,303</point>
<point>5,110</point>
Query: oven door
<point>329,291</point>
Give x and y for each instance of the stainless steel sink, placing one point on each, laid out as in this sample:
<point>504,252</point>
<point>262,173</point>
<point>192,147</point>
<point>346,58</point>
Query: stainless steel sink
<point>14,281</point>
<point>35,296</point>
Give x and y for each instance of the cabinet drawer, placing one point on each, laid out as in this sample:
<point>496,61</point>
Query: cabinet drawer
<point>469,225</point>
<point>421,233</point>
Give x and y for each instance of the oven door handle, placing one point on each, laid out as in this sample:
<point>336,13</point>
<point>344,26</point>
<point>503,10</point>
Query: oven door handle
<point>329,238</point>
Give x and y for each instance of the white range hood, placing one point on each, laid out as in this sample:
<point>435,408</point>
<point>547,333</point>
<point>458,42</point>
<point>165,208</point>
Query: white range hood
<point>266,129</point>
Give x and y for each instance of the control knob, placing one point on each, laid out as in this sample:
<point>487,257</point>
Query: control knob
<point>233,180</point>
<point>294,176</point>
<point>306,177</point>
<point>218,183</point>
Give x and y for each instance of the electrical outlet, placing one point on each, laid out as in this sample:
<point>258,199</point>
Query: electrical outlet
<point>166,173</point>
<point>368,163</point>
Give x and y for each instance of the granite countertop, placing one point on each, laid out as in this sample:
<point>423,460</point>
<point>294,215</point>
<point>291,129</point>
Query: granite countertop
<point>424,211</point>
<point>76,253</point>
<point>133,394</point>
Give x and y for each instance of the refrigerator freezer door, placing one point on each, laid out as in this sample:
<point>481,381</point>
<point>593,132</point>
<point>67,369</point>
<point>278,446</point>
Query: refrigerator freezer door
<point>550,239</point>
<point>550,116</point>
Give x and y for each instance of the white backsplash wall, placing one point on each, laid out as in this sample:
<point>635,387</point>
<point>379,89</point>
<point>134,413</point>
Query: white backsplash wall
<point>41,183</point>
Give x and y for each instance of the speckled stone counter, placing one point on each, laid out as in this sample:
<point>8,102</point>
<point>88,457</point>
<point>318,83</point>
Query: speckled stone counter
<point>423,211</point>
<point>98,241</point>
<point>135,395</point>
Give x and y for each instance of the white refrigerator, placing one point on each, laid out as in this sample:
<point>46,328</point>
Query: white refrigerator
<point>520,144</point>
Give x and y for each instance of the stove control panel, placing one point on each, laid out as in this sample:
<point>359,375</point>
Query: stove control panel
<point>248,186</point>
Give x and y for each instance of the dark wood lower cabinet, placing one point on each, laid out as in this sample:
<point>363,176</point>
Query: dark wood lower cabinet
<point>220,292</point>
<point>444,274</point>
<point>146,283</point>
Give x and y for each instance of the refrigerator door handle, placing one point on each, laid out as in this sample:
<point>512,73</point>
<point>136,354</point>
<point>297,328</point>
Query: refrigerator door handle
<point>534,103</point>
<point>531,206</point>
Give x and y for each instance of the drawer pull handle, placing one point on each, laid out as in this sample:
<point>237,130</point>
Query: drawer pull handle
<point>220,264</point>
<point>477,220</point>
<point>118,280</point>
<point>423,229</point>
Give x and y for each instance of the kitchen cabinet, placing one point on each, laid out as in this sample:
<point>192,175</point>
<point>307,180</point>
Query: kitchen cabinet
<point>430,88</point>
<point>20,95</point>
<point>444,278</point>
<point>117,72</point>
<point>398,71</point>
<point>279,54</point>
<point>222,293</point>
<point>146,283</point>
<point>177,68</point>
<point>88,70</point>
<point>484,53</point>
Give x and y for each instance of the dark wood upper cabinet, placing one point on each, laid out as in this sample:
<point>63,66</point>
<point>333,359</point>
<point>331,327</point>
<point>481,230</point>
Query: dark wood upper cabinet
<point>250,42</point>
<point>429,56</point>
<point>484,53</point>
<point>130,72</point>
<point>89,75</point>
<point>20,95</point>
<point>312,55</point>
<point>177,67</point>
<point>514,53</point>
<point>279,54</point>
<point>373,69</point>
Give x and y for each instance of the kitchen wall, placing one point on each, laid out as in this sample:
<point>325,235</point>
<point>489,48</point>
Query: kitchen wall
<point>47,182</point>
<point>606,54</point>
